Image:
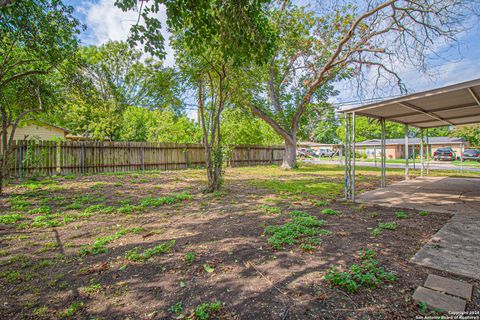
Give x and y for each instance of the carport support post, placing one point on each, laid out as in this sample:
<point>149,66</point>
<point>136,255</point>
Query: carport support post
<point>383,156</point>
<point>428,154</point>
<point>354,154</point>
<point>406,152</point>
<point>421,152</point>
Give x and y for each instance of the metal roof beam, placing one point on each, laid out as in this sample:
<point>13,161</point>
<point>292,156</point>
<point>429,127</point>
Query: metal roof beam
<point>474,96</point>
<point>455,118</point>
<point>430,114</point>
<point>457,107</point>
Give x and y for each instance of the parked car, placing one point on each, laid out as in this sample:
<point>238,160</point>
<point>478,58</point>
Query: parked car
<point>444,154</point>
<point>305,153</point>
<point>325,152</point>
<point>471,154</point>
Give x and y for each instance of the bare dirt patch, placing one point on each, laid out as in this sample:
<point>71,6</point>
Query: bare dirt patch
<point>96,247</point>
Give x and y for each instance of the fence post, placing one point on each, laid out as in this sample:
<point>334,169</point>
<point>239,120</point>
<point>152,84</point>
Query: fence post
<point>272,152</point>
<point>59,156</point>
<point>20,164</point>
<point>248,150</point>
<point>82,158</point>
<point>186,156</point>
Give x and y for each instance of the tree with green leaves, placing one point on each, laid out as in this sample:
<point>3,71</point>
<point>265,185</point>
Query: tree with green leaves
<point>362,41</point>
<point>470,133</point>
<point>30,49</point>
<point>211,39</point>
<point>109,78</point>
<point>141,124</point>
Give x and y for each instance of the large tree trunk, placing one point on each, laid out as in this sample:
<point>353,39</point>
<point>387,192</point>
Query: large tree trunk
<point>290,156</point>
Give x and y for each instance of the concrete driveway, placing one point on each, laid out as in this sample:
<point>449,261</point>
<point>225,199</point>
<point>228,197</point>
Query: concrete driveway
<point>456,247</point>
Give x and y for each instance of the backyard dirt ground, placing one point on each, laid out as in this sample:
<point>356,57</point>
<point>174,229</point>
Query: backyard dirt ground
<point>151,245</point>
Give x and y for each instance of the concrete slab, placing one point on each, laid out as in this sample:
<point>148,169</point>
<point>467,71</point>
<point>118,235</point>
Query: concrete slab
<point>438,300</point>
<point>456,247</point>
<point>432,194</point>
<point>453,287</point>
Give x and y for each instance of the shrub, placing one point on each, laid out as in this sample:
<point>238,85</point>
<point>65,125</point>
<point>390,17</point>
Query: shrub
<point>367,274</point>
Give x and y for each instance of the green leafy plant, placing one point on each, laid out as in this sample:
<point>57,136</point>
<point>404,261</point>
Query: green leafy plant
<point>177,308</point>
<point>330,212</point>
<point>301,227</point>
<point>367,274</point>
<point>401,215</point>
<point>387,225</point>
<point>270,209</point>
<point>98,246</point>
<point>190,257</point>
<point>172,199</point>
<point>205,310</point>
<point>72,309</point>
<point>424,213</point>
<point>41,210</point>
<point>136,255</point>
<point>10,218</point>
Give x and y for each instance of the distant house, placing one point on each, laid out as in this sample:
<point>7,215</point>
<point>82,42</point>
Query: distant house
<point>395,148</point>
<point>39,131</point>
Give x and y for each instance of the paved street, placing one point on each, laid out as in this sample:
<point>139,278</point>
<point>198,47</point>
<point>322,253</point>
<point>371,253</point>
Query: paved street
<point>434,165</point>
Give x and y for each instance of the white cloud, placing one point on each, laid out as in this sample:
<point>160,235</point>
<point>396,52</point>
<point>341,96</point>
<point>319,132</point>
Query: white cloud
<point>107,22</point>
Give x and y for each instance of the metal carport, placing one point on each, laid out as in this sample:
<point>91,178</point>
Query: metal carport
<point>452,105</point>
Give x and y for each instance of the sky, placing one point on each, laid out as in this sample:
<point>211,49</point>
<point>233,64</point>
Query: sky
<point>106,22</point>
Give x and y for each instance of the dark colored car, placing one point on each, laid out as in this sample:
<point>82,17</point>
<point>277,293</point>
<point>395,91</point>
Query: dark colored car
<point>444,154</point>
<point>471,154</point>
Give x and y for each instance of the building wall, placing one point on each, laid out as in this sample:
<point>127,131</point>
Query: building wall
<point>36,131</point>
<point>398,151</point>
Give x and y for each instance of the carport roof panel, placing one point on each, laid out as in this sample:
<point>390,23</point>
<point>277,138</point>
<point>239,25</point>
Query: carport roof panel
<point>452,105</point>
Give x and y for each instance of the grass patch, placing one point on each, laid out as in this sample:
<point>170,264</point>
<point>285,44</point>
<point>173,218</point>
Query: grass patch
<point>300,229</point>
<point>367,274</point>
<point>40,210</point>
<point>10,218</point>
<point>172,199</point>
<point>401,215</point>
<point>328,190</point>
<point>384,226</point>
<point>270,209</point>
<point>98,246</point>
<point>330,212</point>
<point>190,257</point>
<point>72,309</point>
<point>136,255</point>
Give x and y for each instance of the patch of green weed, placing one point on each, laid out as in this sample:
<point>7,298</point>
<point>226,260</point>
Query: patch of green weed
<point>367,274</point>
<point>10,218</point>
<point>301,227</point>
<point>136,255</point>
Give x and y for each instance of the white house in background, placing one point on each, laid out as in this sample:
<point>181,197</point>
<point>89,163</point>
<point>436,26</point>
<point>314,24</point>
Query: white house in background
<point>38,130</point>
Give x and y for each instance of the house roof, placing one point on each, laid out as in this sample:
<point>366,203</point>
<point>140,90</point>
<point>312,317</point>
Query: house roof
<point>448,106</point>
<point>412,141</point>
<point>38,122</point>
<point>316,144</point>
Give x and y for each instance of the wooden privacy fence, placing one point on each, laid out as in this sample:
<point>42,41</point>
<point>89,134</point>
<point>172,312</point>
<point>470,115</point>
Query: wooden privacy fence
<point>44,158</point>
